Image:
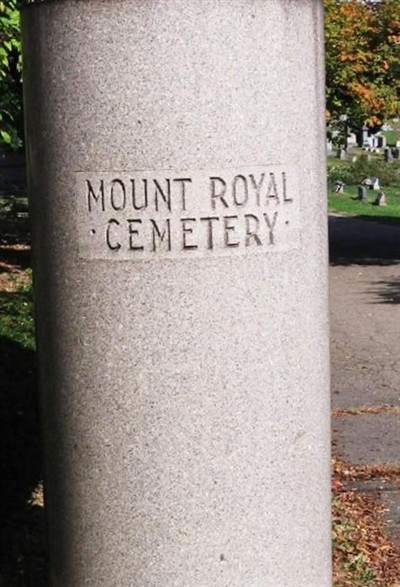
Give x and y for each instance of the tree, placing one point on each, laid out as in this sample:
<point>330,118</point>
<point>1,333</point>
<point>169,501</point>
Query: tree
<point>363,60</point>
<point>11,117</point>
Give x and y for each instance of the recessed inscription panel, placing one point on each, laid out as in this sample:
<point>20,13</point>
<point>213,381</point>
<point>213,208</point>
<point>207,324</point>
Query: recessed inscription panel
<point>152,215</point>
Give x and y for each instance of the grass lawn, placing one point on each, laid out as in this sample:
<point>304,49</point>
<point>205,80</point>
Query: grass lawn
<point>16,310</point>
<point>391,137</point>
<point>347,204</point>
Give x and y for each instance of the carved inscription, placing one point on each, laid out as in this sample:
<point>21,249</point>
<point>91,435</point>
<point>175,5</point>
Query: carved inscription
<point>144,215</point>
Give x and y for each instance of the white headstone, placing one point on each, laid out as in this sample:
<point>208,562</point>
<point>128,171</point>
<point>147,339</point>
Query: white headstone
<point>380,200</point>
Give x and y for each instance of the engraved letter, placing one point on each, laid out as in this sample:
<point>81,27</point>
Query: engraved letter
<point>118,182</point>
<point>166,234</point>
<point>229,227</point>
<point>91,195</point>
<point>272,191</point>
<point>252,232</point>
<point>235,190</point>
<point>134,232</point>
<point>215,195</point>
<point>165,196</point>
<point>271,226</point>
<point>284,185</point>
<point>182,181</point>
<point>134,203</point>
<point>117,245</point>
<point>187,230</point>
<point>257,186</point>
<point>209,220</point>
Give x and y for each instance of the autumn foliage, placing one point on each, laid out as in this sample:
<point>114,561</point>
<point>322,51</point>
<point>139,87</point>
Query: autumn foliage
<point>363,59</point>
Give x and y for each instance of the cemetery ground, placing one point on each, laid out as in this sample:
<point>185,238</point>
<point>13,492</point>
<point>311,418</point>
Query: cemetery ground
<point>353,173</point>
<point>348,204</point>
<point>365,296</point>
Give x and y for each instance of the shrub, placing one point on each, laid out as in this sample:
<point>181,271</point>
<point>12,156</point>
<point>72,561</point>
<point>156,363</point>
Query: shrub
<point>355,173</point>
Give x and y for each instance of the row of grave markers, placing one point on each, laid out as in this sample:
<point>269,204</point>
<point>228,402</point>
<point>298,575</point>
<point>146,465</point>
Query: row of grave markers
<point>390,154</point>
<point>371,183</point>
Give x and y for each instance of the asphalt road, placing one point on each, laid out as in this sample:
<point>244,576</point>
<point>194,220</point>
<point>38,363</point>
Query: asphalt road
<point>365,349</point>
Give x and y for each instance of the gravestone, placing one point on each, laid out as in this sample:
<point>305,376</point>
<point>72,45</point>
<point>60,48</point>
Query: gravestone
<point>361,193</point>
<point>388,155</point>
<point>341,154</point>
<point>396,153</point>
<point>372,183</point>
<point>367,144</point>
<point>380,199</point>
<point>352,140</point>
<point>181,290</point>
<point>339,187</point>
<point>364,137</point>
<point>380,141</point>
<point>375,183</point>
<point>374,142</point>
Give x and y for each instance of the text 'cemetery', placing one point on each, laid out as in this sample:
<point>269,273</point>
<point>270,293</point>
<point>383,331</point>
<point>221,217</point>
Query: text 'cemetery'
<point>144,215</point>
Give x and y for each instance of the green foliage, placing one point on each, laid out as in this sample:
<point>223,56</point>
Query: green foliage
<point>16,313</point>
<point>363,60</point>
<point>355,173</point>
<point>11,118</point>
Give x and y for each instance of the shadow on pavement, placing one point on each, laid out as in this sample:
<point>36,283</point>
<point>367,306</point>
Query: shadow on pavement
<point>358,241</point>
<point>388,291</point>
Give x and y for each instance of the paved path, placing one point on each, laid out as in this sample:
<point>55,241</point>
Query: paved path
<point>365,349</point>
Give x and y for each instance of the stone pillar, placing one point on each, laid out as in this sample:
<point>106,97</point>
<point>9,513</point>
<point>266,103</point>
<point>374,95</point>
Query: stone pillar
<point>177,178</point>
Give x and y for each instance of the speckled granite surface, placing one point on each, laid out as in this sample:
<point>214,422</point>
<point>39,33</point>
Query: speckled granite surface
<point>185,400</point>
